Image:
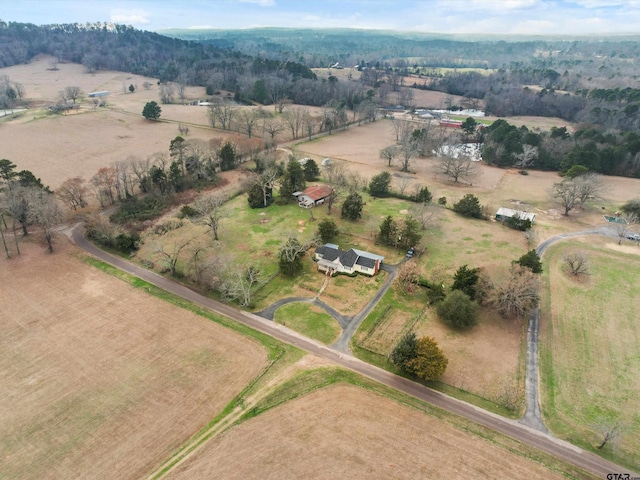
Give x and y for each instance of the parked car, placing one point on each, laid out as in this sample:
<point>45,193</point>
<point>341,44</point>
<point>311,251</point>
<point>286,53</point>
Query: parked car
<point>411,252</point>
<point>633,236</point>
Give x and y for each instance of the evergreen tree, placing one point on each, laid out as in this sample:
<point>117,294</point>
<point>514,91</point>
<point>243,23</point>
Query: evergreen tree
<point>380,184</point>
<point>530,260</point>
<point>327,230</point>
<point>458,310</point>
<point>388,231</point>
<point>469,206</point>
<point>352,206</point>
<point>151,111</point>
<point>311,170</point>
<point>465,280</point>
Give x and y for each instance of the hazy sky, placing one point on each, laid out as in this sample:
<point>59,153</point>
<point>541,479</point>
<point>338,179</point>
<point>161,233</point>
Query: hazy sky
<point>571,17</point>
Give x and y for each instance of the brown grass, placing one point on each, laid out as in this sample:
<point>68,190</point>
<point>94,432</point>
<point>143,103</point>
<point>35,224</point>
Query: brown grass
<point>342,431</point>
<point>100,379</point>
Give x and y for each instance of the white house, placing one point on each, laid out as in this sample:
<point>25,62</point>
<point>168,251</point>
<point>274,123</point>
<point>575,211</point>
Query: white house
<point>332,260</point>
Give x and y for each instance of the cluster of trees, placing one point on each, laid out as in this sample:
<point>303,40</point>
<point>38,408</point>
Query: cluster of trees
<point>11,92</point>
<point>404,234</point>
<point>420,357</point>
<point>25,200</point>
<point>609,153</point>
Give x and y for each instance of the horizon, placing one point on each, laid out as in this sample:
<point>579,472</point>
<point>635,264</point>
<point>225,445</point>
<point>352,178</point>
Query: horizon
<point>457,17</point>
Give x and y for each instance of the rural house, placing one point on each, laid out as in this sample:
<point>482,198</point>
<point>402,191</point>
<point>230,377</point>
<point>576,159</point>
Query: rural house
<point>313,196</point>
<point>332,260</point>
<point>503,214</point>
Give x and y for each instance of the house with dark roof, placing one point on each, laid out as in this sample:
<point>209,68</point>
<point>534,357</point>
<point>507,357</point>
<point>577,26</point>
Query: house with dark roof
<point>313,196</point>
<point>332,260</point>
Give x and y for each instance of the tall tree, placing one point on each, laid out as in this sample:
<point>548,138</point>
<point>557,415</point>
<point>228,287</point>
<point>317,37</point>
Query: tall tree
<point>212,212</point>
<point>517,295</point>
<point>458,310</point>
<point>352,206</point>
<point>45,212</point>
<point>429,362</point>
<point>388,154</point>
<point>290,256</point>
<point>73,193</point>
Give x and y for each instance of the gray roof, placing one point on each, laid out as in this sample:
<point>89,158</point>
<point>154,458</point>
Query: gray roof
<point>366,262</point>
<point>331,252</point>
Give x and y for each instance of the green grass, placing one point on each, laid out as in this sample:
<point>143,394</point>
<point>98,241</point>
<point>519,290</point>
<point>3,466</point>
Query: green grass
<point>589,350</point>
<point>302,318</point>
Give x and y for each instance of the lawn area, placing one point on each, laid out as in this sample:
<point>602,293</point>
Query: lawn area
<point>309,320</point>
<point>590,341</point>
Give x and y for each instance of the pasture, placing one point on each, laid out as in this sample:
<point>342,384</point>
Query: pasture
<point>589,356</point>
<point>98,376</point>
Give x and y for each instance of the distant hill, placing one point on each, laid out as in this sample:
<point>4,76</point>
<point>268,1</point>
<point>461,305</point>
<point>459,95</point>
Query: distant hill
<point>101,46</point>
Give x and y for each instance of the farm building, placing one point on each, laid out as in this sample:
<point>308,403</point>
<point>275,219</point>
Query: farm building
<point>332,260</point>
<point>312,196</point>
<point>504,214</point>
<point>102,93</point>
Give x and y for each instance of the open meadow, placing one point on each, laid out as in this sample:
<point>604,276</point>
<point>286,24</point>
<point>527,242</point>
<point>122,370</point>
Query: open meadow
<point>345,431</point>
<point>590,340</point>
<point>98,376</point>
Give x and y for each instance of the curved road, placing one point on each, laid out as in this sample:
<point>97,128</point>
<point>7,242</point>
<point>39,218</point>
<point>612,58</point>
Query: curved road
<point>563,450</point>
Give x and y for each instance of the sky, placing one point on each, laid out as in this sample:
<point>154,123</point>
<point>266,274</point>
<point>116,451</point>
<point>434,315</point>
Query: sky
<point>525,17</point>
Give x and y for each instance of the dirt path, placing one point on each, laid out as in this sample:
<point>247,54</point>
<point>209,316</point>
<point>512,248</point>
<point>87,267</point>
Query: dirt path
<point>563,450</point>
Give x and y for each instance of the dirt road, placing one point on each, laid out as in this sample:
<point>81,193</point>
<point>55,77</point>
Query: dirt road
<point>563,450</point>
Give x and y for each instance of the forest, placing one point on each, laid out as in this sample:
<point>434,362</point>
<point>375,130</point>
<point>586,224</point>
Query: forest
<point>588,82</point>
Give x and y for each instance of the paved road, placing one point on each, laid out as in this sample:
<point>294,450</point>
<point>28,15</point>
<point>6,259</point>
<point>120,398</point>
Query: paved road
<point>532,415</point>
<point>563,450</point>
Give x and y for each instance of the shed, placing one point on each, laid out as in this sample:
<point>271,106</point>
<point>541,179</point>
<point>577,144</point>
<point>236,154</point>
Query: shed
<point>505,213</point>
<point>102,93</point>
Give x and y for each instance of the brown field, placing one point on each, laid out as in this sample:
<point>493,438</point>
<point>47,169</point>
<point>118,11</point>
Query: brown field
<point>345,432</point>
<point>100,379</point>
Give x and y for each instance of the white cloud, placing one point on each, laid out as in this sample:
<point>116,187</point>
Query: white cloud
<point>130,17</point>
<point>262,3</point>
<point>312,18</point>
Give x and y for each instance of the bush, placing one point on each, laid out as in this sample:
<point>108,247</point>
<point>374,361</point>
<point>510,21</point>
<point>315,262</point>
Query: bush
<point>188,212</point>
<point>458,310</point>
<point>352,207</point>
<point>442,201</point>
<point>518,223</point>
<point>380,184</point>
<point>530,260</point>
<point>469,206</point>
<point>147,208</point>
<point>327,230</point>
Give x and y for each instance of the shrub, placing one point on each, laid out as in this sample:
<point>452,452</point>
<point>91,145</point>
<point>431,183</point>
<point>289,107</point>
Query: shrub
<point>147,208</point>
<point>442,201</point>
<point>380,184</point>
<point>468,206</point>
<point>458,310</point>
<point>530,260</point>
<point>327,230</point>
<point>522,224</point>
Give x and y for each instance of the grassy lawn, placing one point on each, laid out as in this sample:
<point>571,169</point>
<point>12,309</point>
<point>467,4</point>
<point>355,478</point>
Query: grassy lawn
<point>590,349</point>
<point>309,320</point>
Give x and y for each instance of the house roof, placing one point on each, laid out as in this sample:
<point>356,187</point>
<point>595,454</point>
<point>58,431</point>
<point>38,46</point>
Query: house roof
<point>369,255</point>
<point>330,252</point>
<point>316,192</point>
<point>366,262</point>
<point>508,212</point>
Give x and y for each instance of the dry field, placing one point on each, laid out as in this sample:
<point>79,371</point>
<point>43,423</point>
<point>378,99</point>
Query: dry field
<point>99,379</point>
<point>590,337</point>
<point>345,432</point>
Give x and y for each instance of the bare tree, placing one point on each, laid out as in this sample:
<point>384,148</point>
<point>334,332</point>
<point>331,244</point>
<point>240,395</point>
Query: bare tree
<point>526,158</point>
<point>45,212</point>
<point>388,154</point>
<point>310,124</point>
<point>623,225</point>
<point>237,283</point>
<point>518,294</point>
<point>402,184</point>
<point>336,177</point>
<point>181,87</point>
<point>273,128</point>
<point>457,167</point>
<point>294,118</point>
<point>424,214</point>
<point>578,263</point>
<point>167,92</point>
<point>72,193</point>
<point>566,195</point>
<point>248,119</point>
<point>222,112</point>
<point>170,253</point>
<point>609,431</point>
<point>4,241</point>
<point>401,128</point>
<point>408,277</point>
<point>212,212</point>
<point>71,93</point>
<point>408,150</point>
<point>267,181</point>
<point>589,187</point>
